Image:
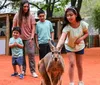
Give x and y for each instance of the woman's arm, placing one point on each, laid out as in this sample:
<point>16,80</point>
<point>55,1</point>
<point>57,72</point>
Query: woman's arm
<point>36,40</point>
<point>33,31</point>
<point>15,20</point>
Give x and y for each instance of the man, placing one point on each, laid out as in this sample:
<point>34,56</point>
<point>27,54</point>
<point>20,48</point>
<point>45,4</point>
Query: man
<point>44,32</point>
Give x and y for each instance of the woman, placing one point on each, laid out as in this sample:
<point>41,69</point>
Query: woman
<point>26,22</point>
<point>73,34</point>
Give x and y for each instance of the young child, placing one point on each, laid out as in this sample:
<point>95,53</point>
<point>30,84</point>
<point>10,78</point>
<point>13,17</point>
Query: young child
<point>44,32</point>
<point>16,46</point>
<point>73,34</point>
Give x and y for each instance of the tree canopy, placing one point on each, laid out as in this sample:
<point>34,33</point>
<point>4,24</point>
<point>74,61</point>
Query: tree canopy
<point>51,6</point>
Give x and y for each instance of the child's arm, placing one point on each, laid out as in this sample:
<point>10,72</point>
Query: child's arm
<point>11,45</point>
<point>19,45</point>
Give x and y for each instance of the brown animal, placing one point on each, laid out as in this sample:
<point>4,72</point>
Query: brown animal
<point>51,67</point>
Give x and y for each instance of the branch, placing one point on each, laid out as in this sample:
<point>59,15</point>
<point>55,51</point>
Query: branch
<point>35,5</point>
<point>53,5</point>
<point>44,5</point>
<point>38,6</point>
<point>55,1</point>
<point>3,4</point>
<point>7,4</point>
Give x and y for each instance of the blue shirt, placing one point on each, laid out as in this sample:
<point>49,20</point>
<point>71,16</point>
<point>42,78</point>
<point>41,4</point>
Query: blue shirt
<point>16,51</point>
<point>43,31</point>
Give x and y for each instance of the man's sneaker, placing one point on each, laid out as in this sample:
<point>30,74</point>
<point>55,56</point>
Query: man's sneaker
<point>14,74</point>
<point>34,75</point>
<point>21,76</point>
<point>80,83</point>
<point>71,83</point>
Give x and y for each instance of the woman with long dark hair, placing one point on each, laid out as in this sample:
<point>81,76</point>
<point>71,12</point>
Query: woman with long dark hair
<point>26,21</point>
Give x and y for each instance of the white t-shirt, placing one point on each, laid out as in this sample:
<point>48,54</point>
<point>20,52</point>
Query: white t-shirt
<point>73,35</point>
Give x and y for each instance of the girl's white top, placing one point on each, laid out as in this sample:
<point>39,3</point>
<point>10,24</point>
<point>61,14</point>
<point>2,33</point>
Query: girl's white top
<point>73,34</point>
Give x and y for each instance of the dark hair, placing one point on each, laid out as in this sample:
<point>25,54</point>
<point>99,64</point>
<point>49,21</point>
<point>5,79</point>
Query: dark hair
<point>40,12</point>
<point>21,12</point>
<point>75,11</point>
<point>17,29</point>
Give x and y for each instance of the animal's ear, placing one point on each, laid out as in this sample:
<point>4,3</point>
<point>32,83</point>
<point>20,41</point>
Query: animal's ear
<point>52,47</point>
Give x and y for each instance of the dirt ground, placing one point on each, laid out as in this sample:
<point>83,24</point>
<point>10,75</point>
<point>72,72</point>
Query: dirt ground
<point>91,63</point>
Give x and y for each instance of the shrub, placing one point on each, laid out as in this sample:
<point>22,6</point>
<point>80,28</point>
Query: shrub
<point>96,17</point>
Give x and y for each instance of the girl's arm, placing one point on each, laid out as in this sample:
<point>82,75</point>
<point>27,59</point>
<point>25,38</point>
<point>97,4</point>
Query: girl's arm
<point>61,40</point>
<point>82,38</point>
<point>85,35</point>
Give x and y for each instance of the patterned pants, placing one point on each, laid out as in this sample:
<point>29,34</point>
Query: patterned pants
<point>30,52</point>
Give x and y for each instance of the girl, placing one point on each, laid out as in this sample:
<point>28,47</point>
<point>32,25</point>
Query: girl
<point>74,32</point>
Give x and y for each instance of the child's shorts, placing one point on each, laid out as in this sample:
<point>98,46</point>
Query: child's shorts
<point>17,61</point>
<point>78,52</point>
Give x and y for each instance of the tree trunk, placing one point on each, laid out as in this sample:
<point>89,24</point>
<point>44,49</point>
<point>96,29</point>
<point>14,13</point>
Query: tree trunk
<point>49,9</point>
<point>79,5</point>
<point>73,2</point>
<point>99,37</point>
<point>76,3</point>
<point>49,13</point>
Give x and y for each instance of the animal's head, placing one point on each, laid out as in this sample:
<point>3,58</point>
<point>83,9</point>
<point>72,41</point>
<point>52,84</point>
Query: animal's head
<point>55,51</point>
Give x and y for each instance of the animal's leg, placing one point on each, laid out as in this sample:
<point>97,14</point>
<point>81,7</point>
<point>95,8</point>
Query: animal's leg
<point>41,67</point>
<point>50,78</point>
<point>42,83</point>
<point>59,82</point>
<point>42,70</point>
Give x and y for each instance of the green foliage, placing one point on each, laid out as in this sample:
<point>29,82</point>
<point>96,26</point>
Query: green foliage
<point>55,8</point>
<point>96,16</point>
<point>15,4</point>
<point>88,6</point>
<point>59,8</point>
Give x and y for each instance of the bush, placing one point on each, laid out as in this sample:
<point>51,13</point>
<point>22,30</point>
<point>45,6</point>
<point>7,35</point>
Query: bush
<point>96,17</point>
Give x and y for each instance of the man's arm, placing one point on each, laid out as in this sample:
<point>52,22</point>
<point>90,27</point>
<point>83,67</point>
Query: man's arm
<point>52,36</point>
